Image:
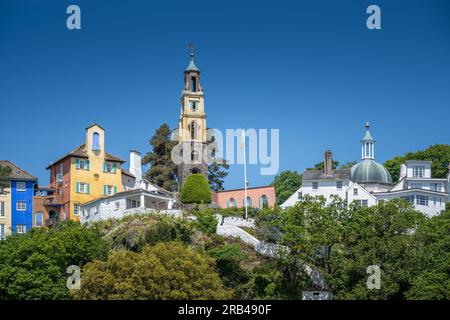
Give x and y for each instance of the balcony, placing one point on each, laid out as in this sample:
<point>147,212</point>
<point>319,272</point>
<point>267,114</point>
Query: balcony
<point>53,200</point>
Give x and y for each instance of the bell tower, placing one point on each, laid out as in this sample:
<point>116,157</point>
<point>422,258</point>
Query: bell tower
<point>192,124</point>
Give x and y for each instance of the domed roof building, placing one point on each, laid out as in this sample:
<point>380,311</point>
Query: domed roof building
<point>369,173</point>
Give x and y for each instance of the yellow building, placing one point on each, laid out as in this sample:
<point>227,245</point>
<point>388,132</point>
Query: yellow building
<point>5,213</point>
<point>84,174</point>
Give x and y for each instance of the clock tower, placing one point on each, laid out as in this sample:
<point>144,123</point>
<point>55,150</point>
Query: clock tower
<point>192,124</point>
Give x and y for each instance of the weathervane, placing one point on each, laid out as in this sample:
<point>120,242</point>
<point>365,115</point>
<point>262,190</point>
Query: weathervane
<point>191,47</point>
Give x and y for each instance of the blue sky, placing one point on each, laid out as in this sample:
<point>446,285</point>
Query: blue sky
<point>309,68</point>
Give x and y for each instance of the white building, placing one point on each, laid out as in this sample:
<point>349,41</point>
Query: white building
<point>368,182</point>
<point>139,196</point>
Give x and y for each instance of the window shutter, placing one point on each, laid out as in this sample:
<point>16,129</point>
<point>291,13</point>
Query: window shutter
<point>87,164</point>
<point>115,189</point>
<point>87,187</point>
<point>104,166</point>
<point>115,167</point>
<point>77,187</point>
<point>77,163</point>
<point>104,189</point>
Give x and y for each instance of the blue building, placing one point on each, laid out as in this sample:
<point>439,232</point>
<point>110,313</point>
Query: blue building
<point>16,201</point>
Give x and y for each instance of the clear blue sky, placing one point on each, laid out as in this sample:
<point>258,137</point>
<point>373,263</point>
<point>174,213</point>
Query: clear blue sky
<point>310,68</point>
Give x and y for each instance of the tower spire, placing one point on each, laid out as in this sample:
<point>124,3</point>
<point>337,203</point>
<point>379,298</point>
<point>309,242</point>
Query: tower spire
<point>191,66</point>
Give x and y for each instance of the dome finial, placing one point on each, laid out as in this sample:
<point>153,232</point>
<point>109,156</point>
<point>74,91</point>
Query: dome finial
<point>367,125</point>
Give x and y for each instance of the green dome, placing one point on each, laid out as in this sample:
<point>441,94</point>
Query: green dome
<point>368,171</point>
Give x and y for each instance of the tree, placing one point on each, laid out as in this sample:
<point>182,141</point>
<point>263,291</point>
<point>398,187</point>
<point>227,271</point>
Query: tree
<point>439,154</point>
<point>218,170</point>
<point>162,171</point>
<point>163,271</point>
<point>216,174</point>
<point>5,173</point>
<point>319,166</point>
<point>33,265</point>
<point>286,183</point>
<point>348,165</point>
<point>196,190</point>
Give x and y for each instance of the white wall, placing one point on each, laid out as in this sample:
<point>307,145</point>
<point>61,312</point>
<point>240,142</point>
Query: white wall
<point>363,194</point>
<point>326,189</point>
<point>433,208</point>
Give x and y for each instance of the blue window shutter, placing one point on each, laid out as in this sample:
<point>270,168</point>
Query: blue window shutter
<point>115,189</point>
<point>87,187</point>
<point>104,189</point>
<point>77,163</point>
<point>115,167</point>
<point>87,164</point>
<point>104,166</point>
<point>77,186</point>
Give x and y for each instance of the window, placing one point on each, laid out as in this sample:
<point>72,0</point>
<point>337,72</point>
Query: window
<point>38,219</point>
<point>422,200</point>
<point>231,203</point>
<point>193,85</point>
<point>416,185</point>
<point>194,156</point>
<point>315,185</point>
<point>409,198</point>
<point>194,105</point>
<point>132,204</point>
<point>339,184</point>
<point>418,171</point>
<point>116,205</point>
<point>263,201</point>
<point>355,191</point>
<point>21,206</point>
<point>82,164</point>
<point>82,187</point>
<point>249,202</point>
<point>109,190</point>
<point>2,232</point>
<point>95,142</point>
<point>193,130</point>
<point>2,209</point>
<point>76,209</point>
<point>436,186</point>
<point>362,203</point>
<point>21,228</point>
<point>21,186</point>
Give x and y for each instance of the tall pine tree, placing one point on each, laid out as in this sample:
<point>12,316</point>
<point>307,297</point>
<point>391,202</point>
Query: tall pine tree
<point>162,171</point>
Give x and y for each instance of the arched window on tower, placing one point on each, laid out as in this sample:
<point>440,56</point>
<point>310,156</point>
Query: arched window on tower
<point>194,156</point>
<point>193,85</point>
<point>95,142</point>
<point>194,130</point>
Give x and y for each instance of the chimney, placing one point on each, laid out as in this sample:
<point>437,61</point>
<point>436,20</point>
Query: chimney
<point>328,164</point>
<point>136,166</point>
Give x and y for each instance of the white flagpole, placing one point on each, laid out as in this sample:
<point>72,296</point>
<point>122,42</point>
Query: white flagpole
<point>245,173</point>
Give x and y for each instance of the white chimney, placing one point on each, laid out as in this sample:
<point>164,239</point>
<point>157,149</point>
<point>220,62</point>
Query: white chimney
<point>402,171</point>
<point>136,166</point>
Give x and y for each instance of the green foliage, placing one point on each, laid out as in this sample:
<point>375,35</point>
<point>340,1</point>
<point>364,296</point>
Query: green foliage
<point>163,271</point>
<point>196,190</point>
<point>33,265</point>
<point>439,154</point>
<point>206,222</point>
<point>135,231</point>
<point>216,175</point>
<point>5,172</point>
<point>228,258</point>
<point>319,165</point>
<point>286,183</point>
<point>411,250</point>
<point>163,171</point>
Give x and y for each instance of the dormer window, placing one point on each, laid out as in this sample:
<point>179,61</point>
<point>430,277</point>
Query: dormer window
<point>418,171</point>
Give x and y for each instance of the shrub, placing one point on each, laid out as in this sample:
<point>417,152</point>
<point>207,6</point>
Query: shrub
<point>206,221</point>
<point>163,271</point>
<point>196,190</point>
<point>33,265</point>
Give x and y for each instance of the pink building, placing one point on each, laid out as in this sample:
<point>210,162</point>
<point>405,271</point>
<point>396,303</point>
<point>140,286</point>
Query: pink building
<point>257,197</point>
